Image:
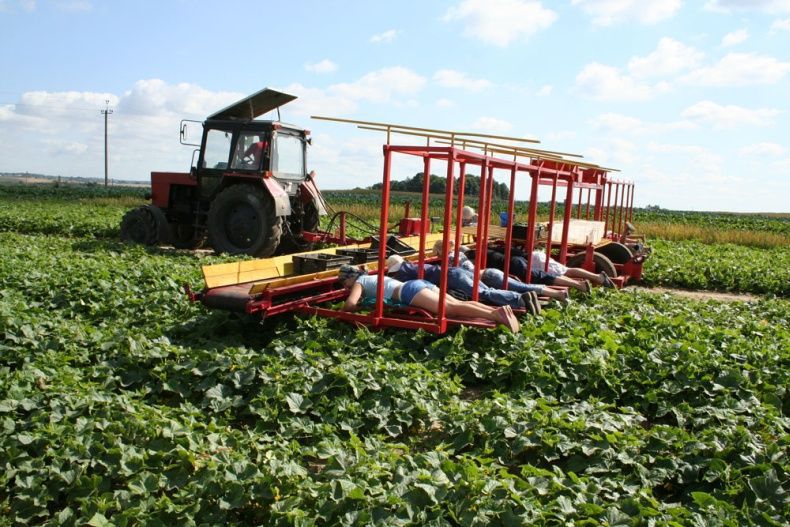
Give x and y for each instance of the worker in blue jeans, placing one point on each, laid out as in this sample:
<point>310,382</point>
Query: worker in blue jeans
<point>495,278</point>
<point>463,281</point>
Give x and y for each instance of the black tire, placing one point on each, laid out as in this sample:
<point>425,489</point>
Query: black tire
<point>242,220</point>
<point>602,263</point>
<point>616,252</point>
<point>311,221</point>
<point>184,236</point>
<point>146,225</point>
<point>293,241</point>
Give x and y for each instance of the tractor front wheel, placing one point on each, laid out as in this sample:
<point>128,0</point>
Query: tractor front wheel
<point>242,220</point>
<point>146,225</point>
<point>602,263</point>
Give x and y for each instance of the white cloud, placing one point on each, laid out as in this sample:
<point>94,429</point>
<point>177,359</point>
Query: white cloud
<point>156,97</point>
<point>730,116</point>
<point>545,90</point>
<point>763,149</point>
<point>780,25</point>
<point>386,36</point>
<point>381,85</point>
<point>491,125</point>
<point>619,123</point>
<point>315,101</point>
<point>767,6</point>
<point>610,12</point>
<point>445,103</point>
<point>734,38</point>
<point>606,83</point>
<point>458,79</point>
<point>500,22</point>
<point>739,69</point>
<point>669,58</point>
<point>324,66</point>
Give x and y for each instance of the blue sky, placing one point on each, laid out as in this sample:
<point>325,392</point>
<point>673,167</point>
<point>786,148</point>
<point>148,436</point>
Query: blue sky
<point>689,99</point>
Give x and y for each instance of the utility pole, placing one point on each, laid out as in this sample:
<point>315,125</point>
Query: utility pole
<point>106,112</point>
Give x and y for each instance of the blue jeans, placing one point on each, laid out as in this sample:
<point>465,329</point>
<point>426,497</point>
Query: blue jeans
<point>410,289</point>
<point>496,279</point>
<point>463,281</point>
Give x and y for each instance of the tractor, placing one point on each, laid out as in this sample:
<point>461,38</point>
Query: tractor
<point>249,192</point>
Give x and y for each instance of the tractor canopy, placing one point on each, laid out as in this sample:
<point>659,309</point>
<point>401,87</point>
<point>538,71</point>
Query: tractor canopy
<point>253,106</point>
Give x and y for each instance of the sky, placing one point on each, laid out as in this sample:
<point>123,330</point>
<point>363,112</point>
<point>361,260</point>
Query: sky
<point>688,99</point>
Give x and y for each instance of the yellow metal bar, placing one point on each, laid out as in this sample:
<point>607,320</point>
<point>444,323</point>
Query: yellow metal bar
<point>385,126</point>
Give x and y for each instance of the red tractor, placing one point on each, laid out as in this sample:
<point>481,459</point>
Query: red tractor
<point>249,192</point>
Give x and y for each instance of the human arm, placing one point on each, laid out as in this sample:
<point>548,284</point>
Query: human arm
<point>352,301</point>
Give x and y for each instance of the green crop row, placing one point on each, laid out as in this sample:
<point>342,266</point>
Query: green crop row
<point>121,403</point>
<point>721,267</point>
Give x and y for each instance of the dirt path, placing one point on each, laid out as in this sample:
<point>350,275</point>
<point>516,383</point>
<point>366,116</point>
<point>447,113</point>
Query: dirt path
<point>698,295</point>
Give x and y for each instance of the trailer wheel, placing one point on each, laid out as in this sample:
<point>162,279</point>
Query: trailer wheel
<point>616,252</point>
<point>602,263</point>
<point>242,220</point>
<point>146,225</point>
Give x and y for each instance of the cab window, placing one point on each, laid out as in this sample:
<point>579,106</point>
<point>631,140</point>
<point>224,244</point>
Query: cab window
<point>217,149</point>
<point>251,149</point>
<point>288,157</point>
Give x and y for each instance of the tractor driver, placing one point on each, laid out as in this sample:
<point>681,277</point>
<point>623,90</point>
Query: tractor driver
<point>254,153</point>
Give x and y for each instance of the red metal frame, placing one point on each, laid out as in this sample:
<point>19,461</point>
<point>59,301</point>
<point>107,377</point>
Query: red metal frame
<point>303,297</point>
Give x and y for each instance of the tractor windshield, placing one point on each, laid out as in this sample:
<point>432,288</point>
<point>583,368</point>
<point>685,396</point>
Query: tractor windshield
<point>288,157</point>
<point>251,148</point>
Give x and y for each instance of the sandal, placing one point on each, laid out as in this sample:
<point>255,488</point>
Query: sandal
<point>506,317</point>
<point>607,282</point>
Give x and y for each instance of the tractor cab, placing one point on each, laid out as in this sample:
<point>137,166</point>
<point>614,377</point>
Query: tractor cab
<point>235,145</point>
<point>248,192</point>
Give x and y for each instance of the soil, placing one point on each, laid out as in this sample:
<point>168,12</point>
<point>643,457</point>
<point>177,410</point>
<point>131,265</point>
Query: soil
<point>698,295</point>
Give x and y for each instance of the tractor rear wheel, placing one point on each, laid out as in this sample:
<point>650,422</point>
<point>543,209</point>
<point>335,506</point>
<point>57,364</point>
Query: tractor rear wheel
<point>602,263</point>
<point>616,252</point>
<point>242,220</point>
<point>146,225</point>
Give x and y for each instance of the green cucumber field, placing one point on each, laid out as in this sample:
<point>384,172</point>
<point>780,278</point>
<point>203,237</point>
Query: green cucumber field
<point>122,403</point>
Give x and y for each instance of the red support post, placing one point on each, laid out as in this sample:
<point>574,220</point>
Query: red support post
<point>378,312</point>
<point>608,187</point>
<point>448,218</point>
<point>481,244</point>
<point>631,205</point>
<point>426,188</point>
<point>459,211</point>
<point>511,205</point>
<point>620,223</point>
<point>550,228</point>
<point>587,208</point>
<point>614,211</point>
<point>566,221</point>
<point>579,206</point>
<point>532,220</point>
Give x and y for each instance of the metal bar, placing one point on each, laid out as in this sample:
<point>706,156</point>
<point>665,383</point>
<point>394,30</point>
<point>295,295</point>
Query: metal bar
<point>403,127</point>
<point>550,227</point>
<point>481,243</point>
<point>598,202</point>
<point>608,188</point>
<point>579,206</point>
<point>621,223</point>
<point>378,312</point>
<point>531,222</point>
<point>426,186</point>
<point>459,211</point>
<point>631,207</point>
<point>511,205</point>
<point>587,208</point>
<point>614,205</point>
<point>448,218</point>
<point>566,222</point>
<point>487,217</point>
